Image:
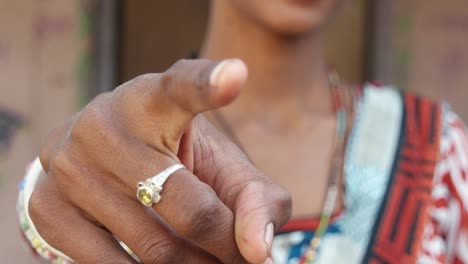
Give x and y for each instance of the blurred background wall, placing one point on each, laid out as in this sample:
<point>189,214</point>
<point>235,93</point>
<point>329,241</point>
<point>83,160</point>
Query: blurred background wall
<point>40,51</point>
<point>55,55</point>
<point>422,45</point>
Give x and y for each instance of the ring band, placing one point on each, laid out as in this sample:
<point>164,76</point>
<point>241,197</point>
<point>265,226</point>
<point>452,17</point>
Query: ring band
<point>149,191</point>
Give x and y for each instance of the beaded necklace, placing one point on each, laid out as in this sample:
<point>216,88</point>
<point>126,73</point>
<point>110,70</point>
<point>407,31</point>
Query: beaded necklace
<point>343,108</point>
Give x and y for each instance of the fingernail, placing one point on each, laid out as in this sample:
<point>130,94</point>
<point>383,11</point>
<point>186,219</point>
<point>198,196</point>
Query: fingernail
<point>268,261</point>
<point>269,232</point>
<point>216,74</point>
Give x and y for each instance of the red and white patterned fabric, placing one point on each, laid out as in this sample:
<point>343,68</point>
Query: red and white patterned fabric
<point>446,236</point>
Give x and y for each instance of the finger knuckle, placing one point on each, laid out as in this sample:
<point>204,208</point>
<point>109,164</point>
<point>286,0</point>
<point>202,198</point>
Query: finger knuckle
<point>167,79</point>
<point>95,126</point>
<point>283,201</point>
<point>37,207</point>
<point>131,87</point>
<point>86,124</point>
<point>95,112</point>
<point>179,64</point>
<point>110,259</point>
<point>169,76</point>
<point>102,98</point>
<point>82,121</point>
<point>154,248</point>
<point>143,78</point>
<point>207,219</point>
<point>67,172</point>
<point>42,208</point>
<point>47,150</point>
<point>61,163</point>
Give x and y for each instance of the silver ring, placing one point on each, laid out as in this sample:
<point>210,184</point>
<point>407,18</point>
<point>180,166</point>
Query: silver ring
<point>149,190</point>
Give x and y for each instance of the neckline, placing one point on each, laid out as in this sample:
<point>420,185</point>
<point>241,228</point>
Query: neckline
<point>307,223</point>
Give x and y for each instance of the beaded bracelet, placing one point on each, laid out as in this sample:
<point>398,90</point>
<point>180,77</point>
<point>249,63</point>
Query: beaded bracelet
<point>38,244</point>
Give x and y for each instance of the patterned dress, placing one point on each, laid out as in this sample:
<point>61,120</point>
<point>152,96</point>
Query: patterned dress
<point>406,188</point>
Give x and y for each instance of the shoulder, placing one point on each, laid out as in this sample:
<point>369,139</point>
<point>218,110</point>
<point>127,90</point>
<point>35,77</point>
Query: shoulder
<point>414,106</point>
<point>418,108</point>
<point>381,92</point>
<point>417,113</point>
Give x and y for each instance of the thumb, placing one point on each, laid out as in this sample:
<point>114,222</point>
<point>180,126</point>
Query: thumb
<point>201,85</point>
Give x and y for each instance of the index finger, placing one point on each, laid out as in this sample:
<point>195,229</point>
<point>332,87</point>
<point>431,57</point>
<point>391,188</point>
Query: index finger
<point>259,205</point>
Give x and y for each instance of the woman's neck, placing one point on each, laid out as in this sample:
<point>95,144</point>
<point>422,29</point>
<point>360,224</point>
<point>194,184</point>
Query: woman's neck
<point>283,70</point>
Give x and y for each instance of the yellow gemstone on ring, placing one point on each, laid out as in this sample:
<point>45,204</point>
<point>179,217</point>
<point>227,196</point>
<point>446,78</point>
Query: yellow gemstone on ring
<point>145,195</point>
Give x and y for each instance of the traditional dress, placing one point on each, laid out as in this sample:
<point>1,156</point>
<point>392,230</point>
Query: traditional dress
<point>406,188</point>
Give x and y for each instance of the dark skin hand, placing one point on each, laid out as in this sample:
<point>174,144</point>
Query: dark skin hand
<point>220,209</point>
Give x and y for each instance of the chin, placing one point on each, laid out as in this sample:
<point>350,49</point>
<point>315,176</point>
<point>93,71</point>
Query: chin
<point>294,25</point>
<point>290,17</point>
